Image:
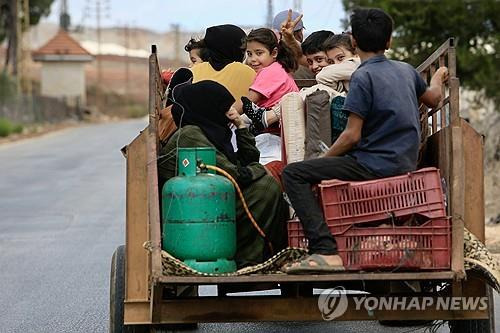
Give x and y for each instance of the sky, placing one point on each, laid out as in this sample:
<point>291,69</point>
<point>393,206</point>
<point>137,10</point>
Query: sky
<point>196,15</point>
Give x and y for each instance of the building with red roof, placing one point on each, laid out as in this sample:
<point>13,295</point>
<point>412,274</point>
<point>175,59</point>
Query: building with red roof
<point>63,72</point>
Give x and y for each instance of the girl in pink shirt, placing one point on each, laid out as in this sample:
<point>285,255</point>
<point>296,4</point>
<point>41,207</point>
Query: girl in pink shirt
<point>273,61</point>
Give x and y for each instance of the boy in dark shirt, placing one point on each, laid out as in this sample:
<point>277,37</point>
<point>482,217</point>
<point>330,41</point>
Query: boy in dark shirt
<point>381,138</point>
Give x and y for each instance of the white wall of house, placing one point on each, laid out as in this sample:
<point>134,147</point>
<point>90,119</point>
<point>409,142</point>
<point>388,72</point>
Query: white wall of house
<point>63,79</point>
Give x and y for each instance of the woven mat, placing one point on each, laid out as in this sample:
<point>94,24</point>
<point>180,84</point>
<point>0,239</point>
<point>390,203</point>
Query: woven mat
<point>173,266</point>
<point>477,258</point>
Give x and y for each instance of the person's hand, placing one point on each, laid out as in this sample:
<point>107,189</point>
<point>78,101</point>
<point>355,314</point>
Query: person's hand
<point>433,95</point>
<point>235,118</point>
<point>443,73</point>
<point>288,26</point>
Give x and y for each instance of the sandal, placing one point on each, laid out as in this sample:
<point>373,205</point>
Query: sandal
<point>304,267</point>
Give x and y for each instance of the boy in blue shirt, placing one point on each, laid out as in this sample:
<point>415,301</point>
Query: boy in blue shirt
<point>381,138</point>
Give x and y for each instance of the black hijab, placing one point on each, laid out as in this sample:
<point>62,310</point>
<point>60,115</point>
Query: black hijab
<point>205,104</point>
<point>223,45</point>
<point>181,76</point>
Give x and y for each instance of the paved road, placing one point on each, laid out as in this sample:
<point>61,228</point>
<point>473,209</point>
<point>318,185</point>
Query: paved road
<point>62,204</point>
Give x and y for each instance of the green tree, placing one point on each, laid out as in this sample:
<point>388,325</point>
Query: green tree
<point>421,26</point>
<point>37,9</point>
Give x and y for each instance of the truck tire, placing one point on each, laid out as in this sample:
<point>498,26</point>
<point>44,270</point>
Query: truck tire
<point>117,290</point>
<point>478,325</point>
<point>117,295</point>
<point>405,323</point>
<point>470,326</point>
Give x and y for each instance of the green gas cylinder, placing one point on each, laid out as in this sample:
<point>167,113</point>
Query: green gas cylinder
<point>198,214</point>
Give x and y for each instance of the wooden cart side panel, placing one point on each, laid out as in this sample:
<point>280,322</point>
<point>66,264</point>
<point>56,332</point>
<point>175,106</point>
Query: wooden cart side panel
<point>457,197</point>
<point>153,208</point>
<point>473,145</point>
<point>448,146</point>
<point>444,150</point>
<point>136,233</point>
<point>258,308</point>
<point>308,278</point>
<point>472,148</point>
<point>238,309</point>
<point>441,50</point>
<point>152,167</point>
<point>440,116</point>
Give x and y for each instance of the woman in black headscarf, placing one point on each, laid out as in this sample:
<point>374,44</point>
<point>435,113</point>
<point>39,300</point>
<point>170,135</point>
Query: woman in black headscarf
<point>224,54</point>
<point>199,111</point>
<point>223,45</point>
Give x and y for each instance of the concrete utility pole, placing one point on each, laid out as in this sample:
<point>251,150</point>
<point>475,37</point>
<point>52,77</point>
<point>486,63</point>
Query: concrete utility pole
<point>127,64</point>
<point>98,27</point>
<point>270,14</point>
<point>297,6</point>
<point>64,18</point>
<point>176,28</point>
<point>102,9</point>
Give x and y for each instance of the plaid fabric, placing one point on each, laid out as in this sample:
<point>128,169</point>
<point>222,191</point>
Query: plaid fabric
<point>339,117</point>
<point>317,123</point>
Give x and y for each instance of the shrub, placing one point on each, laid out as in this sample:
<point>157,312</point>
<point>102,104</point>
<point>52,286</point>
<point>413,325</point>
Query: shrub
<point>136,111</point>
<point>17,128</point>
<point>7,127</point>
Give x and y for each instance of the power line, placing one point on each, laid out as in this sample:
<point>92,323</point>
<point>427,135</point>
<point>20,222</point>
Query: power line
<point>98,9</point>
<point>127,64</point>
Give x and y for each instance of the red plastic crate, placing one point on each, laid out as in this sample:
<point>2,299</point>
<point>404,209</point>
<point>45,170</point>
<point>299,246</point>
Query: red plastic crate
<point>347,203</point>
<point>424,247</point>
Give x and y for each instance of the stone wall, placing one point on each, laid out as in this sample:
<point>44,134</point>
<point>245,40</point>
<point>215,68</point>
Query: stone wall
<point>40,109</point>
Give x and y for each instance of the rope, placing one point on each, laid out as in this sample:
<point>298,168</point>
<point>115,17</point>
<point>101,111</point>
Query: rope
<point>245,206</point>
